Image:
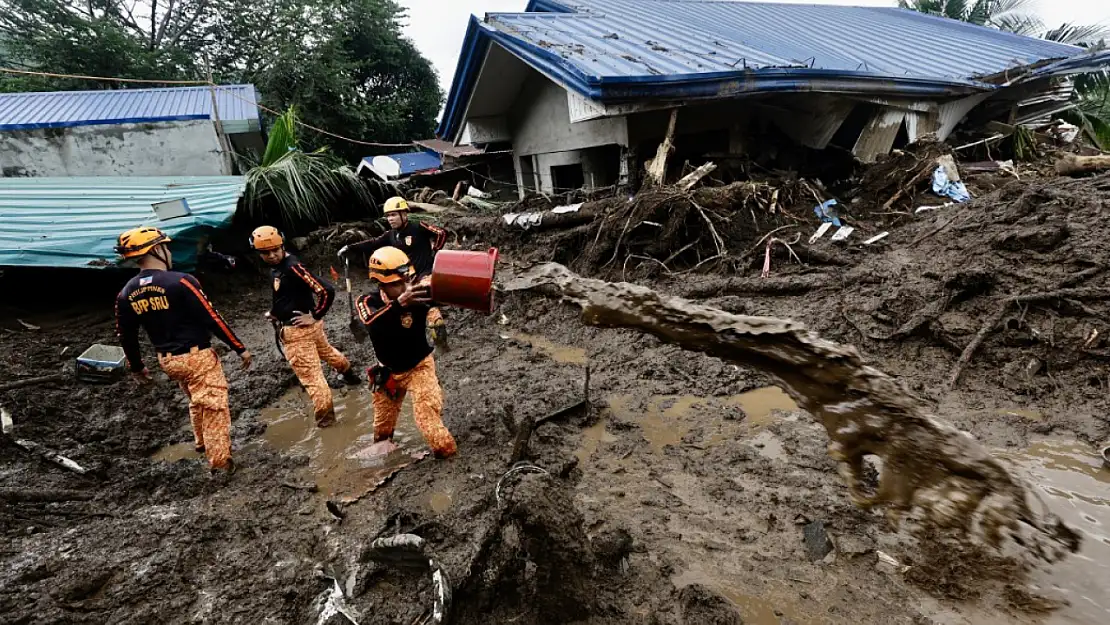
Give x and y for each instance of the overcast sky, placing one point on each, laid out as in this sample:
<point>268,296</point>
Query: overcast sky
<point>438,26</point>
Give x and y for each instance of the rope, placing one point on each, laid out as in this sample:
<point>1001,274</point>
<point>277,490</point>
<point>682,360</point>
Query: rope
<point>206,84</point>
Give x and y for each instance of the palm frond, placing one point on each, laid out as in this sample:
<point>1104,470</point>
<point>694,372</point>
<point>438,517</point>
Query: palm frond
<point>1018,24</point>
<point>1078,33</point>
<point>282,139</point>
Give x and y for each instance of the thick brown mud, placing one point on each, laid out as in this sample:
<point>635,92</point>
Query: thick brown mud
<point>681,496</point>
<point>926,463</point>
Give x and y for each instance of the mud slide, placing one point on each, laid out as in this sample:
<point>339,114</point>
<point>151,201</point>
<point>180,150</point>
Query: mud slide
<point>927,465</point>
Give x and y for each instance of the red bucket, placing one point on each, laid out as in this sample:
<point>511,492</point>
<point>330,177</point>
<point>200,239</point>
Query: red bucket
<point>465,279</point>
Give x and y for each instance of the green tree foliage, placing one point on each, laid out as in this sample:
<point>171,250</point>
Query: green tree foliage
<point>344,64</point>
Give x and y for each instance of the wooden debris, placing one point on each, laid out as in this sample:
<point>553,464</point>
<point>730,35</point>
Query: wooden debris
<point>657,170</point>
<point>46,379</point>
<point>47,454</point>
<point>20,495</point>
<point>693,178</point>
<point>1073,164</point>
<point>6,421</point>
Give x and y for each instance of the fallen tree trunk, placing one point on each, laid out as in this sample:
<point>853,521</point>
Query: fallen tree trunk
<point>927,463</point>
<point>1073,164</point>
<point>657,170</point>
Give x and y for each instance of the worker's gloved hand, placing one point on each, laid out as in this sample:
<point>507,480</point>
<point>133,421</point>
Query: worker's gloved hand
<point>246,359</point>
<point>343,251</point>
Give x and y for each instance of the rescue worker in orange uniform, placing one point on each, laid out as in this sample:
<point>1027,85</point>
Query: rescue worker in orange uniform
<point>420,242</point>
<point>301,300</point>
<point>180,321</point>
<point>396,316</point>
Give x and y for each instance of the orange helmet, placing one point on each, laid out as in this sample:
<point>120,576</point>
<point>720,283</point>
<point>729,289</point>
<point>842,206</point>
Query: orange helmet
<point>395,204</point>
<point>390,264</point>
<point>140,241</point>
<point>266,238</point>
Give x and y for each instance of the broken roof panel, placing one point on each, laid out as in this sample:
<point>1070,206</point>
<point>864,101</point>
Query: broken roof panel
<point>665,37</point>
<point>394,166</point>
<point>237,106</point>
<point>74,222</point>
<point>627,50</point>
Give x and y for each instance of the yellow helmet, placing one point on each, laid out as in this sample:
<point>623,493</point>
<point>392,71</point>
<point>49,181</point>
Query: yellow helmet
<point>140,241</point>
<point>395,204</point>
<point>390,264</point>
<point>266,238</point>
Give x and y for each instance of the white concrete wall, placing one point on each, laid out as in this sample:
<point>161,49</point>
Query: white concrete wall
<point>540,122</point>
<point>186,148</point>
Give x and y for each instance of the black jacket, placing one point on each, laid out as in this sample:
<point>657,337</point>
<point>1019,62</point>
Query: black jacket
<point>420,241</point>
<point>398,333</point>
<point>298,290</point>
<point>175,313</point>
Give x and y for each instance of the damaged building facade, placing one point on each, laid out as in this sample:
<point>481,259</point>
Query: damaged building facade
<point>582,90</point>
<point>181,131</point>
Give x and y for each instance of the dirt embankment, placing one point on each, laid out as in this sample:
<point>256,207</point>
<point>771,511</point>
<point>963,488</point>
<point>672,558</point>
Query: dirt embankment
<point>683,496</point>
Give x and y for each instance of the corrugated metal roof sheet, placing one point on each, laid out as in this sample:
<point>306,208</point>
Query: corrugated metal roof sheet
<point>446,148</point>
<point>627,50</point>
<point>664,37</point>
<point>238,107</point>
<point>74,222</point>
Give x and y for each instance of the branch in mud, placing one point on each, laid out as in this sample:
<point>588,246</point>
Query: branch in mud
<point>926,463</point>
<point>992,322</point>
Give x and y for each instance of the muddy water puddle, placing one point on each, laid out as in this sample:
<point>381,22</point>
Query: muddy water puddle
<point>761,610</point>
<point>343,459</point>
<point>1073,482</point>
<point>559,353</point>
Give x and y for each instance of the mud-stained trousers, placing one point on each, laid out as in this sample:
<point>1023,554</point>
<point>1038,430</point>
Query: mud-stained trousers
<point>305,348</point>
<point>427,408</point>
<point>202,378</point>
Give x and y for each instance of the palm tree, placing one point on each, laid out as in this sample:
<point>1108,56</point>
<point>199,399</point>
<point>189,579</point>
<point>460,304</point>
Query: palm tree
<point>1008,15</point>
<point>303,185</point>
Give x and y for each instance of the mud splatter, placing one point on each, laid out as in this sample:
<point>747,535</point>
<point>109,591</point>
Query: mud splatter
<point>926,463</point>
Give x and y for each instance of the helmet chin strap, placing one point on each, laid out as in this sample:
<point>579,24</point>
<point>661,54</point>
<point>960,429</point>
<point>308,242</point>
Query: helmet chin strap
<point>159,255</point>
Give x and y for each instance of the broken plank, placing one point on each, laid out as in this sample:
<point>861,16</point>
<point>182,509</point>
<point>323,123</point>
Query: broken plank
<point>46,379</point>
<point>694,177</point>
<point>657,170</point>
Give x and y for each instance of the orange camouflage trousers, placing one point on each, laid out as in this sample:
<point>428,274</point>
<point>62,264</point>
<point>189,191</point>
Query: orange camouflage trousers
<point>202,378</point>
<point>427,407</point>
<point>305,348</point>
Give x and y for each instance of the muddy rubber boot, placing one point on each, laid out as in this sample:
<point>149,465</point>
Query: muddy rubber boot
<point>326,421</point>
<point>198,448</point>
<point>351,378</point>
<point>225,471</point>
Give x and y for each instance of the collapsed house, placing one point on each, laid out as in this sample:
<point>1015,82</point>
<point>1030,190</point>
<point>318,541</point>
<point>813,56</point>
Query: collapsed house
<point>583,91</point>
<point>182,131</point>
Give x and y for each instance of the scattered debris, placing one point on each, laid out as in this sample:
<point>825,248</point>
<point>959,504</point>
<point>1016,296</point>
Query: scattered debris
<point>29,326</point>
<point>824,228</point>
<point>6,420</point>
<point>945,186</point>
<point>876,238</point>
<point>657,170</point>
<point>827,213</point>
<point>843,233</point>
<point>890,561</point>
<point>1075,165</point>
<point>49,455</point>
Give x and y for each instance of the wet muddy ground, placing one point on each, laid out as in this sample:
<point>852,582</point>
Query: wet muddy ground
<point>681,496</point>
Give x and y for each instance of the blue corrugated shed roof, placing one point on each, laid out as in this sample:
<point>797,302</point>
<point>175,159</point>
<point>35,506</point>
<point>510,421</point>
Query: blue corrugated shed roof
<point>74,222</point>
<point>412,162</point>
<point>625,50</point>
<point>237,104</point>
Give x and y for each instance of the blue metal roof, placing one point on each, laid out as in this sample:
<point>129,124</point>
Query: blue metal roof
<point>625,50</point>
<point>237,104</point>
<point>74,222</point>
<point>407,164</point>
<point>412,162</point>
